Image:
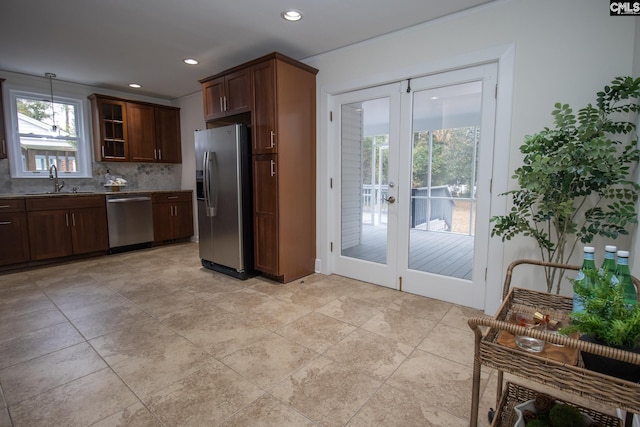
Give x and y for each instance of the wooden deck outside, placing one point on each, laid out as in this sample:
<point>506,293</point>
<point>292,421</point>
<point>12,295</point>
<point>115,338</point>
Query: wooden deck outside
<point>444,253</point>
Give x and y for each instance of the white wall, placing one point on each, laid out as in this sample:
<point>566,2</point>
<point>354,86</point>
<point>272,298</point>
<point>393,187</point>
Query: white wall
<point>191,118</point>
<point>564,51</point>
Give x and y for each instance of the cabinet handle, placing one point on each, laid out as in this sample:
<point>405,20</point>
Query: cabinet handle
<point>155,154</point>
<point>103,151</point>
<point>66,217</point>
<point>5,222</point>
<point>273,167</point>
<point>73,219</point>
<point>172,197</point>
<point>159,154</point>
<point>272,139</point>
<point>4,206</point>
<point>225,103</point>
<point>221,106</point>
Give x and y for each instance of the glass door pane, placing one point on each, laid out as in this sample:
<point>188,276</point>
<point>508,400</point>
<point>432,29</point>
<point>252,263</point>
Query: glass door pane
<point>446,135</point>
<point>364,179</point>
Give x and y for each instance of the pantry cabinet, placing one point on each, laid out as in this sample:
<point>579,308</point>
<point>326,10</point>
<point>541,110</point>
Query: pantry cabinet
<point>226,95</point>
<point>14,231</point>
<point>132,131</point>
<point>64,226</point>
<point>172,216</point>
<point>284,162</point>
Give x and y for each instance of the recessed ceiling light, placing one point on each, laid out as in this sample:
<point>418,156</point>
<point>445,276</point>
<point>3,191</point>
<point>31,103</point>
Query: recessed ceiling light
<point>135,85</point>
<point>190,61</point>
<point>292,15</point>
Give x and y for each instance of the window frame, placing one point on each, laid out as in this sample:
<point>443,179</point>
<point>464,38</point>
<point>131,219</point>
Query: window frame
<point>84,142</point>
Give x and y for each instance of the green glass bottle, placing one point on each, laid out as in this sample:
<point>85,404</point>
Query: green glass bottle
<point>609,263</point>
<point>584,279</point>
<point>624,277</point>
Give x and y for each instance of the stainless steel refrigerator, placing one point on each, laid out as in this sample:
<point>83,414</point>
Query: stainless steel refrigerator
<point>223,187</point>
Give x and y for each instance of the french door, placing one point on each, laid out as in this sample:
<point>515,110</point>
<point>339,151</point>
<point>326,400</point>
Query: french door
<point>415,168</point>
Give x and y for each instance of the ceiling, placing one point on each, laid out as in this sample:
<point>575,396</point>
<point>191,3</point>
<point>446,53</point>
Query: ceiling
<point>112,43</point>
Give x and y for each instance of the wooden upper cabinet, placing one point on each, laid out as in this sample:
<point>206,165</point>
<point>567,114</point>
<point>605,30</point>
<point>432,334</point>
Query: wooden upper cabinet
<point>3,130</point>
<point>264,109</point>
<point>168,135</point>
<point>227,95</point>
<point>142,132</point>
<point>109,129</point>
<point>135,131</point>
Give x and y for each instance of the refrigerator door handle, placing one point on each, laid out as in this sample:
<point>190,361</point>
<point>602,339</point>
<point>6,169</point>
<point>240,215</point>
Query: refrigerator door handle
<point>210,169</point>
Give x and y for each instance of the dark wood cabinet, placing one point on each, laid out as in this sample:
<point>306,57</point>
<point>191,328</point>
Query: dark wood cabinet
<point>284,161</point>
<point>265,208</point>
<point>135,131</point>
<point>14,231</point>
<point>109,129</point>
<point>168,146</point>
<point>66,225</point>
<point>226,95</point>
<point>172,216</point>
<point>3,128</point>
<point>141,129</point>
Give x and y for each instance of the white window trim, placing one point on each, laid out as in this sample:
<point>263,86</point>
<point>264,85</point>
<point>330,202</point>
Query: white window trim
<point>84,158</point>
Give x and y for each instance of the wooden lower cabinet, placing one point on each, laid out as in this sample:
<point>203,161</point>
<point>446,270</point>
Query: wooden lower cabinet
<point>265,209</point>
<point>172,216</point>
<point>64,226</point>
<point>14,232</point>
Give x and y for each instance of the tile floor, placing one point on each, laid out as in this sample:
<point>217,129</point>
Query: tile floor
<point>149,338</point>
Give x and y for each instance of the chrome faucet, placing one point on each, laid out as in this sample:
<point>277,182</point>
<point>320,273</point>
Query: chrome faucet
<point>53,174</point>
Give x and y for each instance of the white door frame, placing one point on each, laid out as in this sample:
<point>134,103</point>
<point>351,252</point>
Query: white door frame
<point>327,152</point>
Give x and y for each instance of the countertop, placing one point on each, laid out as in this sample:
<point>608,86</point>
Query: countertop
<point>85,193</point>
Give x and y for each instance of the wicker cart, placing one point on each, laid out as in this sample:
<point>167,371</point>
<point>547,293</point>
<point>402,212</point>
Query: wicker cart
<point>563,371</point>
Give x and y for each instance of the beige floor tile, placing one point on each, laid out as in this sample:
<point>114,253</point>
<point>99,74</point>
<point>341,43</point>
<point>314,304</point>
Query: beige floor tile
<point>14,324</point>
<point>5,420</point>
<point>160,365</point>
<point>268,360</point>
<point>111,320</point>
<point>136,415</point>
<point>370,353</point>
<point>37,343</point>
<point>260,308</point>
<point>317,331</point>
<point>78,403</point>
<point>450,343</point>
<point>204,398</point>
<point>375,294</point>
<point>417,306</point>
<point>311,291</point>
<point>458,316</point>
<point>11,280</point>
<point>35,376</point>
<point>22,299</point>
<point>399,326</point>
<point>390,407</point>
<point>217,331</point>
<point>351,310</point>
<point>268,411</point>
<point>168,303</point>
<point>440,382</point>
<point>327,392</point>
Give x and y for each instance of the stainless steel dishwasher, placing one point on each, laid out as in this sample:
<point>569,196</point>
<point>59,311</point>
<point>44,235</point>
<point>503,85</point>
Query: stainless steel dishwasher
<point>130,220</point>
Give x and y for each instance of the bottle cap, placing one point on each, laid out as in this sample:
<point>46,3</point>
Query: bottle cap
<point>623,254</point>
<point>590,249</point>
<point>610,248</point>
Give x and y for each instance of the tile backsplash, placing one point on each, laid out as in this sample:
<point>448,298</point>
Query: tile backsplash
<point>139,176</point>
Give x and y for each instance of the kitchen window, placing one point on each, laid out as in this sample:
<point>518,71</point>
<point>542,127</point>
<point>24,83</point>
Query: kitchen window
<point>43,134</point>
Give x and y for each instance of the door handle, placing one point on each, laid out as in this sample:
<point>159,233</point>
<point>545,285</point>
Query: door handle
<point>391,200</point>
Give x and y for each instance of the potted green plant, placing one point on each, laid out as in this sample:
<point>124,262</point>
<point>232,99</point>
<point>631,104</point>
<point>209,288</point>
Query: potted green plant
<point>575,181</point>
<point>607,320</point>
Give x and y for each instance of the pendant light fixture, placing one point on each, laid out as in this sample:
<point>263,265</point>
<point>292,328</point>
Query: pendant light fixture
<point>51,76</point>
